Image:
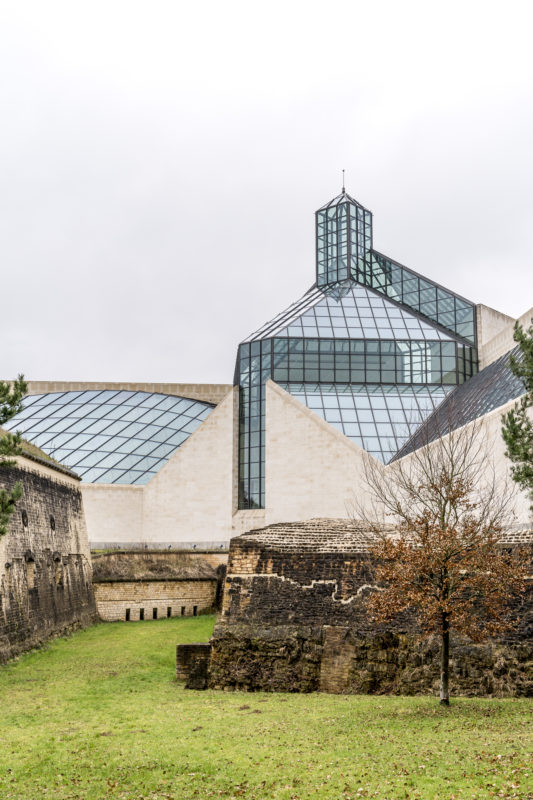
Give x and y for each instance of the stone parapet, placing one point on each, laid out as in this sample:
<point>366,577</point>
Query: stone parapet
<point>206,392</point>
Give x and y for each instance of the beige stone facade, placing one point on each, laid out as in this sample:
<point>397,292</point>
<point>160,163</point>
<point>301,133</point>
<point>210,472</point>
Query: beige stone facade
<point>492,347</point>
<point>114,514</point>
<point>311,469</point>
<point>206,392</point>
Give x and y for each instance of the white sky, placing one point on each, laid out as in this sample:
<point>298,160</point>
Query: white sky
<point>161,162</point>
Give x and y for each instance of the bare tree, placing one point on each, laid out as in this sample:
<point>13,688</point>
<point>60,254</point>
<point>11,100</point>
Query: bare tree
<point>444,561</point>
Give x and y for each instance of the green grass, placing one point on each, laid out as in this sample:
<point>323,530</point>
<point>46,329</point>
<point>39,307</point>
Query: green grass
<point>99,715</point>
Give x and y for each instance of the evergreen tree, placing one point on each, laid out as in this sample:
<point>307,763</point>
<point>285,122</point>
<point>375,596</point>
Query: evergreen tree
<point>517,429</point>
<point>11,396</point>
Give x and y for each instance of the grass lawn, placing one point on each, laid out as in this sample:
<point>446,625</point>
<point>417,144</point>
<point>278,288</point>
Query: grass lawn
<point>99,715</point>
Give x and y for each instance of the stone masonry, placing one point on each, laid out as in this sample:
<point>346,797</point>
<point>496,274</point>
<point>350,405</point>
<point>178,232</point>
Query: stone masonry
<point>294,619</point>
<point>146,585</point>
<point>45,568</point>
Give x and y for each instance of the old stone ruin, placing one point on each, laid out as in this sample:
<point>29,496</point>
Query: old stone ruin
<point>294,619</point>
<point>45,564</point>
<point>145,585</point>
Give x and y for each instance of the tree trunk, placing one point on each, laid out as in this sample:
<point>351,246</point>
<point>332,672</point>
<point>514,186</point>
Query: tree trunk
<point>445,662</point>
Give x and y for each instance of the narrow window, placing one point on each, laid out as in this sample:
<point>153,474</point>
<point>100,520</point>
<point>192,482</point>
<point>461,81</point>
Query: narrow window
<point>195,611</point>
<point>30,569</point>
<point>30,574</point>
<point>58,566</point>
<point>183,611</point>
<point>169,611</point>
<point>24,516</point>
<point>141,613</point>
<point>52,522</point>
<point>127,615</point>
<point>154,613</point>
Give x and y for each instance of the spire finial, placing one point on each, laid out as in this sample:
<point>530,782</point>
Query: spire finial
<point>343,189</point>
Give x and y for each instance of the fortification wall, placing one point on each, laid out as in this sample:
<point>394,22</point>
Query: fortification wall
<point>130,586</point>
<point>45,568</point>
<point>137,600</point>
<point>294,619</point>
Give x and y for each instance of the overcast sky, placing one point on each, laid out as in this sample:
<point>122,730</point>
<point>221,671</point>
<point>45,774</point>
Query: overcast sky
<point>161,162</point>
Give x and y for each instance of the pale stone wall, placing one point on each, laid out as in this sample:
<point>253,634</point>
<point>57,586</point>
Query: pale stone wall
<point>503,341</point>
<point>247,520</point>
<point>489,323</point>
<point>206,392</point>
<point>114,513</point>
<point>490,430</point>
<point>191,497</point>
<point>183,598</point>
<point>312,470</point>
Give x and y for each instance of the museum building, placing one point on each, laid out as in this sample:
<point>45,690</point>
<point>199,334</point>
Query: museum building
<point>369,358</point>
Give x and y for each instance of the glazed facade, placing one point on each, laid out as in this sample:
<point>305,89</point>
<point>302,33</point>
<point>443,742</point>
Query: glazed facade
<point>372,347</point>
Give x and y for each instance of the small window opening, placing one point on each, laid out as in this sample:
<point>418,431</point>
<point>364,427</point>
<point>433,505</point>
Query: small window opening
<point>24,516</point>
<point>154,613</point>
<point>127,615</point>
<point>52,522</point>
<point>195,611</point>
<point>30,574</point>
<point>141,613</point>
<point>58,566</point>
<point>169,611</point>
<point>183,611</point>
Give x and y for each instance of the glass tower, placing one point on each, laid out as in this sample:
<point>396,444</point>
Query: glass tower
<point>372,347</point>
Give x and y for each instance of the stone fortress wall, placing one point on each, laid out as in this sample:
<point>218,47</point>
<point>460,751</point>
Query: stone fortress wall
<point>131,586</point>
<point>45,565</point>
<point>294,619</point>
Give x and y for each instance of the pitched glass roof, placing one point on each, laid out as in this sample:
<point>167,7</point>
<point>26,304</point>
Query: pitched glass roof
<point>110,436</point>
<point>343,197</point>
<point>380,419</point>
<point>489,389</point>
<point>348,311</point>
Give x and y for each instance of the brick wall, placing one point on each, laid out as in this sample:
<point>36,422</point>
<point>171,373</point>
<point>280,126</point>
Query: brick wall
<point>182,597</point>
<point>45,567</point>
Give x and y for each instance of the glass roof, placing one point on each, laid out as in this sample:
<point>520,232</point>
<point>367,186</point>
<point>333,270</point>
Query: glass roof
<point>343,197</point>
<point>110,436</point>
<point>489,389</point>
<point>348,311</point>
<point>380,419</point>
